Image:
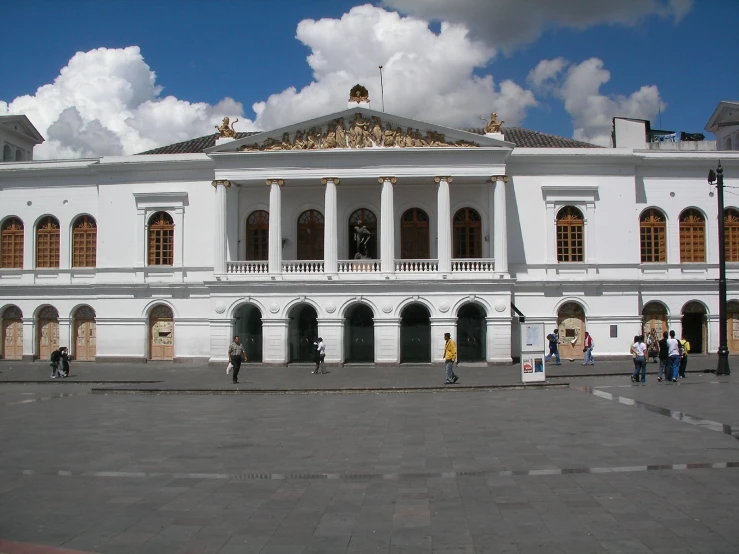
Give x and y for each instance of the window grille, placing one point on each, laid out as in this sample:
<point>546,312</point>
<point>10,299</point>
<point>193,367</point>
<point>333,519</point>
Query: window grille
<point>161,239</point>
<point>570,235</point>
<point>11,244</point>
<point>84,242</point>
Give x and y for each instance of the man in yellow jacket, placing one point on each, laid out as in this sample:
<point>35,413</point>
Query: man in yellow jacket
<point>450,356</point>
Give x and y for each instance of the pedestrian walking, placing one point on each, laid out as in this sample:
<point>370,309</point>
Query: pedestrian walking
<point>320,356</point>
<point>664,360</point>
<point>553,339</point>
<point>450,356</point>
<point>236,356</point>
<point>684,349</point>
<point>639,350</point>
<point>588,345</point>
<point>55,358</point>
<point>64,372</point>
<point>673,354</point>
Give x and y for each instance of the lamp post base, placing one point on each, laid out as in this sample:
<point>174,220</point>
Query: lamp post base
<point>723,362</point>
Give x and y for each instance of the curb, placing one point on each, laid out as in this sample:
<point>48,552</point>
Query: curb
<point>66,382</point>
<point>618,374</point>
<point>374,390</point>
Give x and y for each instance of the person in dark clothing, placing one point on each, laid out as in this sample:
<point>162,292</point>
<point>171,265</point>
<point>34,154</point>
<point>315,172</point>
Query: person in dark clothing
<point>55,358</point>
<point>236,356</point>
<point>65,362</point>
<point>553,339</point>
<point>664,359</point>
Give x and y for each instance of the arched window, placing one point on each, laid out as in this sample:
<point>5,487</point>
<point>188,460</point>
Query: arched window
<point>47,242</point>
<point>161,239</point>
<point>362,234</point>
<point>414,235</point>
<point>467,234</point>
<point>692,236</point>
<point>570,235</point>
<point>310,235</point>
<point>257,236</point>
<point>84,242</point>
<point>653,232</point>
<point>731,234</point>
<point>11,247</point>
<point>7,154</point>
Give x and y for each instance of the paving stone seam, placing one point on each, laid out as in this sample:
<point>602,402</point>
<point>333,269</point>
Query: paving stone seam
<point>364,476</point>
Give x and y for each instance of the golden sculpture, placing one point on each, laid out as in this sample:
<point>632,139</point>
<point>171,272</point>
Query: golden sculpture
<point>358,94</point>
<point>492,126</point>
<point>359,133</point>
<point>226,131</point>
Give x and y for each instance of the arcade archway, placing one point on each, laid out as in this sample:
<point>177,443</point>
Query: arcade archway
<point>471,333</point>
<point>248,326</point>
<point>359,334</point>
<point>415,335</point>
<point>302,331</point>
<point>694,326</point>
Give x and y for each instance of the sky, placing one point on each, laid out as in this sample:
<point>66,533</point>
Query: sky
<point>119,77</point>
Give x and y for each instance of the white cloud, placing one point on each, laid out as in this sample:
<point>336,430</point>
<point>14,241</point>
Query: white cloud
<point>512,22</point>
<point>427,76</point>
<point>592,112</point>
<point>106,102</point>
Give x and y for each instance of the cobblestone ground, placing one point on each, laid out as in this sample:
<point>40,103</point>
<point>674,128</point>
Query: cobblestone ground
<point>601,466</point>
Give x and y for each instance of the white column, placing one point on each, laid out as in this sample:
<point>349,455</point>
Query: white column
<point>330,235</point>
<point>387,225</point>
<point>444,227</point>
<point>275,225</point>
<point>500,246</point>
<point>219,227</point>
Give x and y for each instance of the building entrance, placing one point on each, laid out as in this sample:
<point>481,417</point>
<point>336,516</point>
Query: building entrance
<point>732,327</point>
<point>415,335</point>
<point>12,333</point>
<point>359,333</point>
<point>694,326</point>
<point>571,324</point>
<point>161,334</point>
<point>84,339</point>
<point>471,334</point>
<point>248,327</point>
<point>48,332</point>
<point>303,331</point>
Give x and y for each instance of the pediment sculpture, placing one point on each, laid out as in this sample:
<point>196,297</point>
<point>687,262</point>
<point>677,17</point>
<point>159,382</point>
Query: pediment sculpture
<point>360,132</point>
<point>225,130</point>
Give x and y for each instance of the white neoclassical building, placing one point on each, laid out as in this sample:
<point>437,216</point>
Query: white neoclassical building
<point>376,232</point>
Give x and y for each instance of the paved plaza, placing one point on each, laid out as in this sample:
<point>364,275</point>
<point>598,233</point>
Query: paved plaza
<point>593,464</point>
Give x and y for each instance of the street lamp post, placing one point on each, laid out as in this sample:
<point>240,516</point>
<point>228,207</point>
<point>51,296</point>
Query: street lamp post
<point>723,350</point>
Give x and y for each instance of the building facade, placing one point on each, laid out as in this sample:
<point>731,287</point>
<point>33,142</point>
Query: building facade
<point>376,232</point>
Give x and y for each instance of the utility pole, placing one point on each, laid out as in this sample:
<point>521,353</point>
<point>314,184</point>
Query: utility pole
<point>723,350</point>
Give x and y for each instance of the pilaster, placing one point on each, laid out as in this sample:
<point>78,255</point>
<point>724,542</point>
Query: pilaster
<point>275,345</point>
<point>332,333</point>
<point>439,326</point>
<point>29,339</point>
<point>219,227</point>
<point>387,341</point>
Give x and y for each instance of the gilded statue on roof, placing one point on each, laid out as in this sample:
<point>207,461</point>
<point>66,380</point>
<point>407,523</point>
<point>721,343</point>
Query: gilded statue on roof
<point>494,125</point>
<point>225,130</point>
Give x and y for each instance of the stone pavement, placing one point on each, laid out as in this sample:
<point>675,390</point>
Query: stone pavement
<point>601,466</point>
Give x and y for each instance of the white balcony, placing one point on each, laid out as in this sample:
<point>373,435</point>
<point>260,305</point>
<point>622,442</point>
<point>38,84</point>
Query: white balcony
<point>247,268</point>
<point>416,266</point>
<point>359,266</point>
<point>473,265</point>
<point>304,267</point>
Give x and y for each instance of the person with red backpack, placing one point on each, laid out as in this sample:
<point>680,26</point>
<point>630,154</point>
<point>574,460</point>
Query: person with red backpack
<point>588,345</point>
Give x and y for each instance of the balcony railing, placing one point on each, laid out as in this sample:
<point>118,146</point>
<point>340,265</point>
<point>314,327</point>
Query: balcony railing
<point>359,266</point>
<point>247,268</point>
<point>473,265</point>
<point>302,266</point>
<point>416,266</point>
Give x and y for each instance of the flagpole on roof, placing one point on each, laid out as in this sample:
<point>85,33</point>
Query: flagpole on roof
<point>382,91</point>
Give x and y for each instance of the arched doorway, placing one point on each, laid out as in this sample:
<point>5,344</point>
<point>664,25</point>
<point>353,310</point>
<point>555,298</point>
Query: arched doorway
<point>84,338</point>
<point>303,330</point>
<point>248,326</point>
<point>733,327</point>
<point>694,326</point>
<point>571,325</point>
<point>12,328</point>
<point>415,335</point>
<point>414,235</point>
<point>48,332</point>
<point>654,320</point>
<point>310,235</point>
<point>161,333</point>
<point>467,234</point>
<point>471,333</point>
<point>257,236</point>
<point>359,334</point>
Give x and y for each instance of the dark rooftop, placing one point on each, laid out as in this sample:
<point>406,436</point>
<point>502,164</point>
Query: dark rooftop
<point>522,138</point>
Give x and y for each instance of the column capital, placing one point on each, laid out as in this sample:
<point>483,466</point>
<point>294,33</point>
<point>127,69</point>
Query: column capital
<point>279,182</point>
<point>443,178</point>
<point>223,182</point>
<point>496,178</point>
<point>381,180</point>
<point>334,180</point>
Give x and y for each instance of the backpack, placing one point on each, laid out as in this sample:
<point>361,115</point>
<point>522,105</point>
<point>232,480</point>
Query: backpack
<point>682,347</point>
<point>551,337</point>
<point>55,356</point>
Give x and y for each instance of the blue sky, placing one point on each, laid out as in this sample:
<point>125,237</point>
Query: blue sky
<point>247,50</point>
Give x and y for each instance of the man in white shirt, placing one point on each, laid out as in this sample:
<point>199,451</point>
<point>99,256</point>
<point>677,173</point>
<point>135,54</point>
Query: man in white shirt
<point>673,354</point>
<point>320,356</point>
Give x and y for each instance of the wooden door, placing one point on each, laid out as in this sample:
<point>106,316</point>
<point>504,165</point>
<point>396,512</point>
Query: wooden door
<point>161,325</point>
<point>571,324</point>
<point>733,328</point>
<point>654,320</point>
<point>48,337</point>
<point>84,344</point>
<point>414,235</point>
<point>12,339</point>
<point>310,235</point>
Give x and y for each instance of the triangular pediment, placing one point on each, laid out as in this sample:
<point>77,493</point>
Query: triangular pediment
<point>21,125</point>
<point>725,112</point>
<point>358,128</point>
